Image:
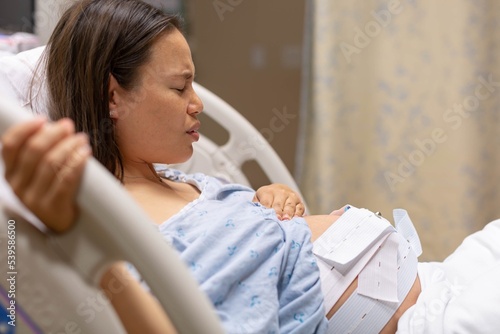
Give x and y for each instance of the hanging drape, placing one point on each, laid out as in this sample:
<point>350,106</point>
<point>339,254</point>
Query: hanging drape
<point>401,108</point>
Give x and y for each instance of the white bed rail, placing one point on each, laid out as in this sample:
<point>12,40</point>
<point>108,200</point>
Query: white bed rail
<point>113,227</point>
<point>245,143</point>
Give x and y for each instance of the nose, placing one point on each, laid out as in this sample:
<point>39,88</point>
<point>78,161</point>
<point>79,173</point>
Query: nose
<point>196,105</point>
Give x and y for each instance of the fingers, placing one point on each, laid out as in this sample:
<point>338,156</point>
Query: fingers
<point>300,209</point>
<point>14,138</point>
<point>63,159</point>
<point>292,206</point>
<point>282,199</point>
<point>272,196</point>
<point>44,164</point>
<point>25,148</point>
<point>52,193</point>
<point>264,197</point>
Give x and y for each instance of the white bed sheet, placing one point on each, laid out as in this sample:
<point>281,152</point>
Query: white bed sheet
<point>461,294</point>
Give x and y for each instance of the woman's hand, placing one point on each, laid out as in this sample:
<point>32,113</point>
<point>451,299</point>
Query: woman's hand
<point>44,163</point>
<point>286,202</point>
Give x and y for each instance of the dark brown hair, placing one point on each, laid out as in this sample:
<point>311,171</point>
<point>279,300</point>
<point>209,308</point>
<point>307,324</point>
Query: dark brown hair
<point>93,39</point>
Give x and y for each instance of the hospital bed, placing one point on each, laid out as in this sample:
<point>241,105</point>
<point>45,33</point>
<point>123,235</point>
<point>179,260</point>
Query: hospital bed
<point>53,279</point>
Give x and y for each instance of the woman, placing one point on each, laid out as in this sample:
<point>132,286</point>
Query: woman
<point>122,72</point>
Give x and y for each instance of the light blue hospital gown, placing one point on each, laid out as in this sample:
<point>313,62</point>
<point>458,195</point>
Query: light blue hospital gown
<point>258,271</point>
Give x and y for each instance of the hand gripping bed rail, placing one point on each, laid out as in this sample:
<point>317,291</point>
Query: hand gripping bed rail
<point>113,227</point>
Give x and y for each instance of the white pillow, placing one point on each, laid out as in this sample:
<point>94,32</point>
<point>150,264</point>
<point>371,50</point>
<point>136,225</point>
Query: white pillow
<point>16,72</point>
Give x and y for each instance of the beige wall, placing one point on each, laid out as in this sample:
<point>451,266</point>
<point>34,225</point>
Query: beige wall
<point>248,52</point>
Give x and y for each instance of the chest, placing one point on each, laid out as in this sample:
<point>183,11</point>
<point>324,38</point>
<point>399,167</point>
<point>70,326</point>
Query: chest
<point>161,203</point>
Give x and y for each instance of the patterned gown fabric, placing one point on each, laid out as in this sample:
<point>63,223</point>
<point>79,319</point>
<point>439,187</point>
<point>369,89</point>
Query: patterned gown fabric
<point>265,279</point>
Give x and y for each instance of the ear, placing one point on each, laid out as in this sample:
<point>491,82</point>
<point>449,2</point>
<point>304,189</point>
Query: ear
<point>114,96</point>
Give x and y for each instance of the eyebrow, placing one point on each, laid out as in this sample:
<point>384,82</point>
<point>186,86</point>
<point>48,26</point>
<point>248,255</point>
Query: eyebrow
<point>185,74</point>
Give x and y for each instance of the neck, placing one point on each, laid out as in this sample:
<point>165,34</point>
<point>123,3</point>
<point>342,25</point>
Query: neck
<point>141,171</point>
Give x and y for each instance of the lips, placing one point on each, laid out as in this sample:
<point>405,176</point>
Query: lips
<point>194,128</point>
<point>193,131</point>
<point>195,135</point>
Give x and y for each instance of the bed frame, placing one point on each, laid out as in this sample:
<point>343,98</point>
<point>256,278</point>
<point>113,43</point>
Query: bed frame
<point>54,278</point>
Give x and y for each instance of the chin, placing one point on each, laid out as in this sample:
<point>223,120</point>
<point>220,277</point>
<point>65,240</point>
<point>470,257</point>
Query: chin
<point>179,160</point>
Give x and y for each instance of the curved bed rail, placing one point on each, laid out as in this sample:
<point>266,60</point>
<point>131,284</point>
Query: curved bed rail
<point>113,227</point>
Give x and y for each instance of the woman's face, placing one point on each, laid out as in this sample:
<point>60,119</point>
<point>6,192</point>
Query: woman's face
<point>156,122</point>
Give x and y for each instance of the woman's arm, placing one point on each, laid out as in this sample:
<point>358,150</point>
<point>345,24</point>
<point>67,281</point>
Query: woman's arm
<point>44,165</point>
<point>138,310</point>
